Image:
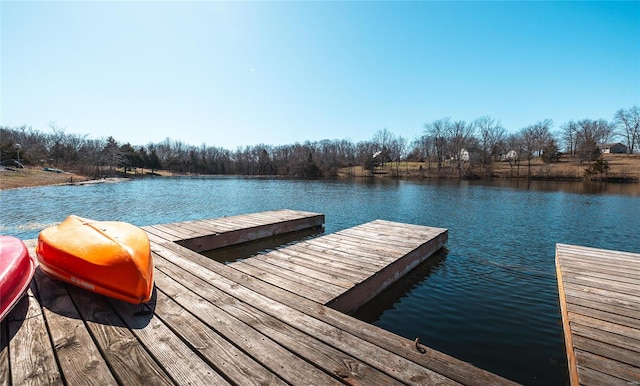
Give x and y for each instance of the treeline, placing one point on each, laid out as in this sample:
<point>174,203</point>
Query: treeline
<point>446,147</point>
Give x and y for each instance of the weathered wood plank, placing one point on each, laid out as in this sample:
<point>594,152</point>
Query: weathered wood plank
<point>612,273</point>
<point>601,313</point>
<point>177,230</point>
<point>605,320</point>
<point>365,247</point>
<point>596,253</point>
<point>344,253</point>
<point>182,364</point>
<point>31,356</point>
<point>627,300</point>
<point>275,357</point>
<point>389,241</point>
<point>80,360</point>
<point>601,283</point>
<point>153,230</point>
<point>356,261</point>
<point>590,376</point>
<point>127,358</point>
<point>198,228</point>
<point>606,335</point>
<point>327,266</point>
<point>576,297</point>
<point>217,225</point>
<point>298,277</point>
<point>226,358</point>
<point>621,371</point>
<point>260,274</point>
<point>376,250</point>
<point>283,261</point>
<point>618,354</point>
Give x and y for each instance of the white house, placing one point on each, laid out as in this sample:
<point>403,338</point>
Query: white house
<point>613,148</point>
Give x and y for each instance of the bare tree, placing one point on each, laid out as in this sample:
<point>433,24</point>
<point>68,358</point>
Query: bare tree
<point>491,134</point>
<point>628,123</point>
<point>514,155</point>
<point>397,149</point>
<point>364,155</point>
<point>529,145</point>
<point>589,135</point>
<point>569,132</point>
<point>542,135</point>
<point>458,134</point>
<point>437,131</point>
<point>382,138</point>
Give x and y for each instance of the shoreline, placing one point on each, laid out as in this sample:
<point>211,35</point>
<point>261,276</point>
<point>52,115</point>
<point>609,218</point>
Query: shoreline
<point>35,177</point>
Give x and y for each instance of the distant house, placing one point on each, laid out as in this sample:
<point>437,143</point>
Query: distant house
<point>511,155</point>
<point>613,148</point>
<point>464,155</point>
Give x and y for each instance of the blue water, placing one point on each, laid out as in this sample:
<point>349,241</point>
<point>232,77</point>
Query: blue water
<point>490,298</point>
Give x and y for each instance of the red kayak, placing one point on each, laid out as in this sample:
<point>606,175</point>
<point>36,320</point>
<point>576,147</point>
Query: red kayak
<point>16,272</point>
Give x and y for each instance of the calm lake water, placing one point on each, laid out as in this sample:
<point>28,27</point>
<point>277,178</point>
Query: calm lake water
<point>490,298</point>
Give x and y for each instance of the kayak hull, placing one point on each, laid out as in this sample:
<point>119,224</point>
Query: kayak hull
<point>111,258</point>
<point>16,271</point>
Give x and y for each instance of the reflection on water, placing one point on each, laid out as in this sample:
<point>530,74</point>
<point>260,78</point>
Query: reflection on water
<point>376,307</point>
<point>491,299</point>
<point>579,187</point>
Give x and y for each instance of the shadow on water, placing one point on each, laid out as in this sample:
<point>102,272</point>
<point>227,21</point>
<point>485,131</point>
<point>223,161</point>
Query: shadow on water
<point>373,310</point>
<point>251,248</point>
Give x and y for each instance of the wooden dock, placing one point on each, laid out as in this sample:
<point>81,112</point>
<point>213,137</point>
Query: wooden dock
<point>209,323</point>
<point>206,235</point>
<point>346,269</point>
<point>600,304</point>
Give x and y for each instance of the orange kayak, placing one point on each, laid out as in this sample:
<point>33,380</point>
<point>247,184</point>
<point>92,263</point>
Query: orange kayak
<point>111,258</point>
<point>16,272</point>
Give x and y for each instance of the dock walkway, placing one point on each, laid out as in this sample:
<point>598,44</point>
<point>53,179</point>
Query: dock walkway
<point>208,323</point>
<point>600,304</point>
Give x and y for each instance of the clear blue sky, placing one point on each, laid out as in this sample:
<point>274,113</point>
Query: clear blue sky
<point>243,73</point>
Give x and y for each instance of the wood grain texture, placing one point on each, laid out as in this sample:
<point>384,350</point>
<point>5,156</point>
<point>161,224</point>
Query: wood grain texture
<point>601,313</point>
<point>228,315</point>
<point>80,361</point>
<point>182,364</point>
<point>32,358</point>
<point>127,358</point>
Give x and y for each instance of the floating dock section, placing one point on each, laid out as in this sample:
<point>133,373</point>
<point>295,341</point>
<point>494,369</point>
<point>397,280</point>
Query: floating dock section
<point>206,235</point>
<point>210,323</point>
<point>600,304</point>
<point>346,269</point>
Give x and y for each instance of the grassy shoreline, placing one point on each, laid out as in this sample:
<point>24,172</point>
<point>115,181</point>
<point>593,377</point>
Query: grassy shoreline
<point>622,168</point>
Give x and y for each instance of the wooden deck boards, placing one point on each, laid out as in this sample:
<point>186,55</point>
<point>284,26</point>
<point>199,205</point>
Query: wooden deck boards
<point>373,256</point>
<point>208,323</point>
<point>204,235</point>
<point>600,303</point>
